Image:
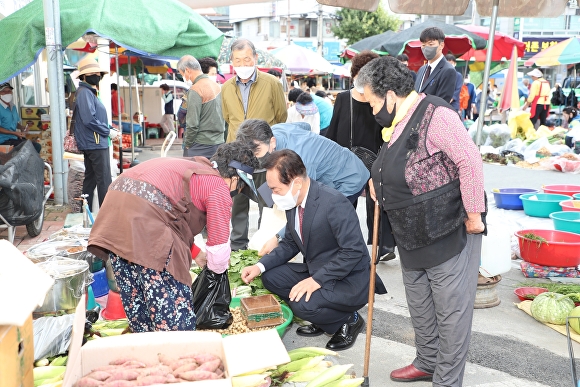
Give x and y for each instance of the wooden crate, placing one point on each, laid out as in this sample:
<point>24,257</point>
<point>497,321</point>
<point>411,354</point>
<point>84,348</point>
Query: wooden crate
<point>262,311</point>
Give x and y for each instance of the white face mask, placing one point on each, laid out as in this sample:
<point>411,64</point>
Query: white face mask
<point>188,82</point>
<point>7,98</point>
<point>244,72</point>
<point>288,201</point>
<point>212,78</point>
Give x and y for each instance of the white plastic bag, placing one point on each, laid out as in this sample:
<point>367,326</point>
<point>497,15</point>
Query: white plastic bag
<point>530,152</point>
<point>273,220</point>
<point>52,335</point>
<point>499,135</point>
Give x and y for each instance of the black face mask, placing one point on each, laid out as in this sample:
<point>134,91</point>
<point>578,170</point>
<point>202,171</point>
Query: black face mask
<point>93,79</point>
<point>263,158</point>
<point>384,118</point>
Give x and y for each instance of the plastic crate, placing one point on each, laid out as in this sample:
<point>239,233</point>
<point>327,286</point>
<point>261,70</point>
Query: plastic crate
<point>262,311</point>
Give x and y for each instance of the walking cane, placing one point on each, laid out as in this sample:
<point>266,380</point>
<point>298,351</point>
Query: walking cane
<point>374,261</point>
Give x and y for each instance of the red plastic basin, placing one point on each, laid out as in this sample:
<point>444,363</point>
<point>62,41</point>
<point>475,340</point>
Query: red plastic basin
<point>561,249</point>
<point>562,189</point>
<point>568,205</point>
<point>526,291</point>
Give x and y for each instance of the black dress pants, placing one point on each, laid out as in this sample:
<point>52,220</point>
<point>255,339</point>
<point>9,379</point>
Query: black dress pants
<point>97,174</point>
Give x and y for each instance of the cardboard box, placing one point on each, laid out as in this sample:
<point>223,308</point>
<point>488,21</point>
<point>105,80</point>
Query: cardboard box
<point>267,350</point>
<point>33,112</point>
<point>16,355</point>
<point>34,136</point>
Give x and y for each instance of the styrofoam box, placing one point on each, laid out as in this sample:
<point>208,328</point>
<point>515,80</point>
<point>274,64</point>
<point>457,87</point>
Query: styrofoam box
<point>241,353</point>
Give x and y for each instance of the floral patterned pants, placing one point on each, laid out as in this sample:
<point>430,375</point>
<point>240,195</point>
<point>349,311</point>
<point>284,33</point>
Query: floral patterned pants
<point>153,300</point>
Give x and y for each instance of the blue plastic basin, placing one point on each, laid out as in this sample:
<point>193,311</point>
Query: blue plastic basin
<point>544,205</point>
<point>566,221</point>
<point>100,285</point>
<point>509,198</point>
<point>576,196</point>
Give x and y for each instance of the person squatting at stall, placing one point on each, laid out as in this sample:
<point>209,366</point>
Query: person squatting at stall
<point>326,161</point>
<point>333,282</point>
<point>10,120</point>
<point>429,180</point>
<point>147,226</point>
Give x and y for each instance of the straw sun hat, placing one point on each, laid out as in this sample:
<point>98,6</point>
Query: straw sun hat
<point>89,66</point>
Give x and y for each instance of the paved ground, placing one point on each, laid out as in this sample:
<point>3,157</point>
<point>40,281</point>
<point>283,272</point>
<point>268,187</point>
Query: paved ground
<point>508,348</point>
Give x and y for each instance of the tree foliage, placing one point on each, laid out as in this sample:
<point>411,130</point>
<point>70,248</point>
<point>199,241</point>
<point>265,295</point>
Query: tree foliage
<point>357,25</point>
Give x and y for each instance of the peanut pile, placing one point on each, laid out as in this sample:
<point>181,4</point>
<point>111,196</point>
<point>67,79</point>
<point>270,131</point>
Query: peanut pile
<point>238,326</point>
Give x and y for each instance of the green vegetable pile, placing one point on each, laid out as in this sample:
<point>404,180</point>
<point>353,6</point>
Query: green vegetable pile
<point>572,291</point>
<point>238,260</point>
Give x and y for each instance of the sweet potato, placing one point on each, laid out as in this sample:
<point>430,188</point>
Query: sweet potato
<point>123,374</point>
<point>149,380</point>
<point>88,382</point>
<point>181,362</point>
<point>186,367</point>
<point>159,369</point>
<point>133,364</point>
<point>166,360</point>
<point>106,368</point>
<point>210,366</point>
<point>205,357</point>
<point>120,383</point>
<point>121,360</point>
<point>172,379</point>
<point>99,375</point>
<point>196,375</point>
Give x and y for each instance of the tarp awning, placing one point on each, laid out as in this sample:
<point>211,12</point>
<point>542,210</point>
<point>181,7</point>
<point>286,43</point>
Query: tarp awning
<point>164,28</point>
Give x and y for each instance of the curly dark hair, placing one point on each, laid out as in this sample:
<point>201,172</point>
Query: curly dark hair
<point>294,94</point>
<point>233,151</point>
<point>361,59</point>
<point>304,98</point>
<point>384,74</point>
<point>206,63</point>
<point>571,110</point>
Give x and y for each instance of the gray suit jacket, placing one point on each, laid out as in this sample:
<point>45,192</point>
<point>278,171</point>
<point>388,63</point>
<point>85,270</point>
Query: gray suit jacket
<point>335,253</point>
<point>441,82</point>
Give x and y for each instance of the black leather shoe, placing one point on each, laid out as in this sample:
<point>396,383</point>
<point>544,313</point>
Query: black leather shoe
<point>345,337</point>
<point>309,331</point>
<point>387,254</point>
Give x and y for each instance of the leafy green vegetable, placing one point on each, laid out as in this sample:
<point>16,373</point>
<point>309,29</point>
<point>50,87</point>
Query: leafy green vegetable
<point>555,287</point>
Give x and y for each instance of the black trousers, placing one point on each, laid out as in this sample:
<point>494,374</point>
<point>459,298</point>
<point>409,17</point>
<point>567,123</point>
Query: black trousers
<point>327,315</point>
<point>240,215</point>
<point>97,174</point>
<point>541,114</point>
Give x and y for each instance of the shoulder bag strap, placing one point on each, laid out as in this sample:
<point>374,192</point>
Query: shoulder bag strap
<point>350,99</point>
<point>71,129</point>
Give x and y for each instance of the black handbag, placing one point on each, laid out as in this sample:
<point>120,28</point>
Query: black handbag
<point>365,155</point>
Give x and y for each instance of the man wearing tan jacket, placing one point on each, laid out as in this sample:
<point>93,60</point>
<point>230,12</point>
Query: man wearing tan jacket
<point>250,94</point>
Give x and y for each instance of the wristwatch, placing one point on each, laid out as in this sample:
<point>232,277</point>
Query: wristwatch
<point>279,238</point>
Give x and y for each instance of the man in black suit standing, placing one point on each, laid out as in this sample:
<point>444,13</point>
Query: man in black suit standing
<point>437,76</point>
<point>332,283</point>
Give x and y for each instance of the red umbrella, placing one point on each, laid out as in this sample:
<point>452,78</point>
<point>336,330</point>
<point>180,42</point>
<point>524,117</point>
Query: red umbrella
<point>502,45</point>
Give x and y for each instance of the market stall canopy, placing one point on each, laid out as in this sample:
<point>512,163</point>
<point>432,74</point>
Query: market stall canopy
<point>510,94</point>
<point>140,64</point>
<point>374,43</point>
<point>564,53</point>
<point>265,58</point>
<point>165,28</point>
<point>502,45</point>
<point>301,60</point>
<point>457,41</point>
<point>363,5</point>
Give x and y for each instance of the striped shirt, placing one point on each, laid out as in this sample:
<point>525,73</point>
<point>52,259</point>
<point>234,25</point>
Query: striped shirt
<point>209,193</point>
<point>448,135</point>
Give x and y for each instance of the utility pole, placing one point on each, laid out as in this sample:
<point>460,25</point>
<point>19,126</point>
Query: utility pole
<point>57,107</point>
<point>320,32</point>
<point>288,22</point>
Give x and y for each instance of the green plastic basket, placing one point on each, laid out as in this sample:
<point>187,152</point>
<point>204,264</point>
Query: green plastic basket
<point>286,311</point>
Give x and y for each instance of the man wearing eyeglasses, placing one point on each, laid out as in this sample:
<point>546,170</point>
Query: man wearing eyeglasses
<point>250,94</point>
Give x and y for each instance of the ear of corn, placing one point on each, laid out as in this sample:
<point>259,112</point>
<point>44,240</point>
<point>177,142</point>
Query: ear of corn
<point>304,376</point>
<point>249,380</point>
<point>41,363</point>
<point>59,361</point>
<point>302,364</point>
<point>330,375</point>
<point>350,382</point>
<point>48,372</point>
<point>260,371</point>
<point>300,353</point>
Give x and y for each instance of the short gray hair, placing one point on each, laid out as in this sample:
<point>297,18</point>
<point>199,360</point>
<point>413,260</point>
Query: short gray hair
<point>384,74</point>
<point>240,44</point>
<point>188,62</point>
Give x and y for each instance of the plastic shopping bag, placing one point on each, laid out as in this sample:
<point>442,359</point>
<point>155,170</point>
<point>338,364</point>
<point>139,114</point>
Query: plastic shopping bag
<point>211,300</point>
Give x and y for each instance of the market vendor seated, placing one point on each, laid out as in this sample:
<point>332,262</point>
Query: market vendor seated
<point>10,120</point>
<point>332,283</point>
<point>126,123</point>
<point>147,224</point>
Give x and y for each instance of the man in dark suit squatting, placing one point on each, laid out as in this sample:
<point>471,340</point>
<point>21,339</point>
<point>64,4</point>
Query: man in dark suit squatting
<point>437,76</point>
<point>332,283</point>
